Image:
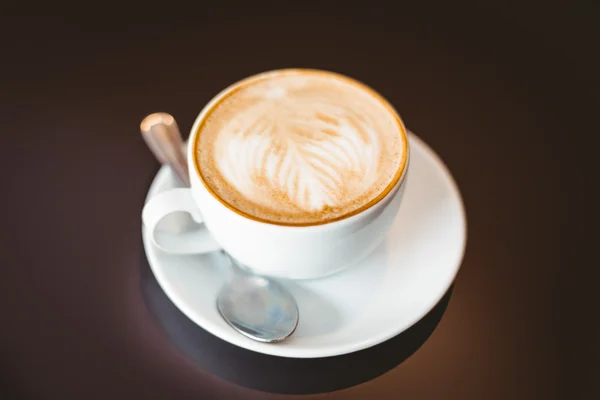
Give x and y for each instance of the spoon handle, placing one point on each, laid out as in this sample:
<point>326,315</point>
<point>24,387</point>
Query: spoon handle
<point>161,133</point>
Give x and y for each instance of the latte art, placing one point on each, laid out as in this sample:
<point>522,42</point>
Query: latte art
<point>300,148</point>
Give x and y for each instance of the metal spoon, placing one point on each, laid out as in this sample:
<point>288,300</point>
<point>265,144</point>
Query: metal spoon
<point>253,305</point>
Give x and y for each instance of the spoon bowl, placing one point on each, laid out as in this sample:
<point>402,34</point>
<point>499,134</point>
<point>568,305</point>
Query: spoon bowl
<point>257,307</point>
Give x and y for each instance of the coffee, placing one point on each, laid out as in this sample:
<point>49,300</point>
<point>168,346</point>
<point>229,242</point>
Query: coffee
<point>300,147</point>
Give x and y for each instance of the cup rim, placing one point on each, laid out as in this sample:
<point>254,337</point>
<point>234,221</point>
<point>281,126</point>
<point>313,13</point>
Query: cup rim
<point>228,91</point>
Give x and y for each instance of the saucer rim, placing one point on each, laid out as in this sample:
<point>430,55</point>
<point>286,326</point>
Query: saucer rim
<point>291,351</point>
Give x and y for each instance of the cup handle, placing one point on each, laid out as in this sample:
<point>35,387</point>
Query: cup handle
<point>192,241</point>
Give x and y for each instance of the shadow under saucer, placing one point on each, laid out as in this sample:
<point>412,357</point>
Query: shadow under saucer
<point>280,374</point>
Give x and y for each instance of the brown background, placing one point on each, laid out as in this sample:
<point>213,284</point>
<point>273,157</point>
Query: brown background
<point>482,86</point>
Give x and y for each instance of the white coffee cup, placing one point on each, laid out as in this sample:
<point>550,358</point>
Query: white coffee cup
<point>278,250</point>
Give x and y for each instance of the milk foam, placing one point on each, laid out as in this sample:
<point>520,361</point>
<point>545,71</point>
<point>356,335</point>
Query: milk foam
<point>300,148</point>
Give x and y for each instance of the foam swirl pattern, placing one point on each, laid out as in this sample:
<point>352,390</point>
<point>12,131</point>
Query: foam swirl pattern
<point>299,148</point>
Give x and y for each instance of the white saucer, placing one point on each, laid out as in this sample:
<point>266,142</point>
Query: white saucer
<point>358,308</point>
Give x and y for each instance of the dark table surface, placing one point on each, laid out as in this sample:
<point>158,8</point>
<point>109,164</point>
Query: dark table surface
<point>479,86</point>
